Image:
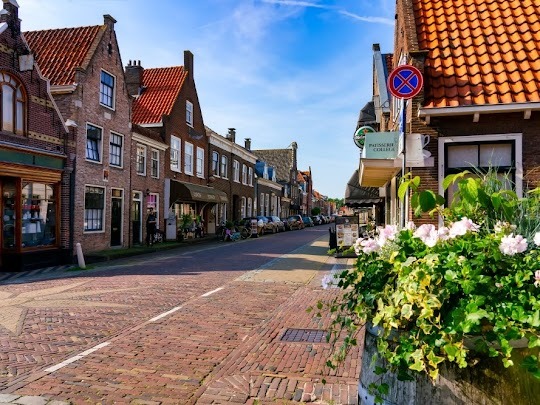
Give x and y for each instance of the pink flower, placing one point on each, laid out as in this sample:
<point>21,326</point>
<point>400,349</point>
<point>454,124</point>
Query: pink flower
<point>410,226</point>
<point>428,234</point>
<point>537,278</point>
<point>444,233</point>
<point>511,245</point>
<point>537,239</point>
<point>461,227</point>
<point>370,246</point>
<point>387,233</point>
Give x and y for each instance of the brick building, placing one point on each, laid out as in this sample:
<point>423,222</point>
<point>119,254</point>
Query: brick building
<point>166,101</point>
<point>35,164</point>
<point>268,191</point>
<point>480,103</point>
<point>231,168</point>
<point>86,75</point>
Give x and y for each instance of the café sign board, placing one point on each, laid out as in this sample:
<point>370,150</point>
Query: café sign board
<point>382,145</point>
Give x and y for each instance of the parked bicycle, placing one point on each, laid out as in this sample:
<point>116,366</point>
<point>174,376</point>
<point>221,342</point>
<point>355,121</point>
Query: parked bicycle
<point>157,237</point>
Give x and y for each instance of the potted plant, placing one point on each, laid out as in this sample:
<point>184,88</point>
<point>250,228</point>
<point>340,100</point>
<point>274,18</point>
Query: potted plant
<point>452,296</point>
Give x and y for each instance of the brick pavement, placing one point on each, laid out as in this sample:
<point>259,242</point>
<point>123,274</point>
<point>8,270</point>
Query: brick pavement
<point>227,346</point>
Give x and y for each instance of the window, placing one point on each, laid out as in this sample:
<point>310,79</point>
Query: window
<point>249,207</point>
<point>224,167</point>
<point>175,154</point>
<point>189,113</point>
<point>266,204</point>
<point>243,207</point>
<point>244,174</point>
<point>250,176</point>
<point>13,104</point>
<point>94,204</point>
<point>106,89</point>
<point>141,160</point>
<point>93,143</point>
<point>262,203</point>
<point>152,202</point>
<point>215,163</point>
<point>497,156</point>
<point>200,162</point>
<point>188,158</point>
<point>115,150</point>
<point>154,155</point>
<point>236,170</point>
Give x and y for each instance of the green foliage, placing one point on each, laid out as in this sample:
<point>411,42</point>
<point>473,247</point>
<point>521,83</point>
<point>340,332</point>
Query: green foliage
<point>186,221</point>
<point>438,294</point>
<point>315,211</point>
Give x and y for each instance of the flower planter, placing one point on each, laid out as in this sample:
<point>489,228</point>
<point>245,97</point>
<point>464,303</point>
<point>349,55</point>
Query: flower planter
<point>486,383</point>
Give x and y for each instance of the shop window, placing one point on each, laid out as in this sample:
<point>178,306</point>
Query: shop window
<point>94,204</point>
<point>13,100</point>
<point>93,143</point>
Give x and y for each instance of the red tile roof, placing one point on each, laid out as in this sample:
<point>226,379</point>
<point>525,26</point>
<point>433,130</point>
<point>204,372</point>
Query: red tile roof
<point>161,89</point>
<point>480,51</point>
<point>59,52</point>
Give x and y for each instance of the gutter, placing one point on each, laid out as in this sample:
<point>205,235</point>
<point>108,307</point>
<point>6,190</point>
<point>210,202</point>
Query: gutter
<point>477,110</point>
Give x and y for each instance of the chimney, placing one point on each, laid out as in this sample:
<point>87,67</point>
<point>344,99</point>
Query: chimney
<point>134,73</point>
<point>10,15</point>
<point>109,21</point>
<point>188,64</point>
<point>294,147</point>
<point>248,143</point>
<point>232,134</point>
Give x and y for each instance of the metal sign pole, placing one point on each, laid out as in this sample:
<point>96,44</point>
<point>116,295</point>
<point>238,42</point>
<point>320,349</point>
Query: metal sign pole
<point>405,202</point>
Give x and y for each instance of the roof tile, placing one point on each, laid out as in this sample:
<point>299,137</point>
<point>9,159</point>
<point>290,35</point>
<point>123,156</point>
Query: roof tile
<point>59,52</point>
<point>161,87</point>
<point>479,51</point>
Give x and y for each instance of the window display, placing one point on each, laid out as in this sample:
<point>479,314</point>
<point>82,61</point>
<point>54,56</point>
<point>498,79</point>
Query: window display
<point>38,215</point>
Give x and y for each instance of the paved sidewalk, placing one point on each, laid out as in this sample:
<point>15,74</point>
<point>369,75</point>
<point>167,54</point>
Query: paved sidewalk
<point>280,359</point>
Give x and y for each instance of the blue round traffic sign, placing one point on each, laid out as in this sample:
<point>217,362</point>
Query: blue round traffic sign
<point>405,81</point>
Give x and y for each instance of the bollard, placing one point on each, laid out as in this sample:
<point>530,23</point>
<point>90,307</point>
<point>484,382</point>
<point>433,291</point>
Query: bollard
<point>80,257</point>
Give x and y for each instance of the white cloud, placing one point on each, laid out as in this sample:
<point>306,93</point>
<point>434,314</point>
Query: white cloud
<point>377,20</point>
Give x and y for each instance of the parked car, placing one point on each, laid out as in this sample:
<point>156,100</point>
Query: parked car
<point>286,223</point>
<point>316,219</point>
<point>268,227</point>
<point>307,221</point>
<point>280,226</point>
<point>295,222</point>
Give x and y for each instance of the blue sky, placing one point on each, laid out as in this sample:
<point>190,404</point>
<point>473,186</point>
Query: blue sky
<point>276,70</point>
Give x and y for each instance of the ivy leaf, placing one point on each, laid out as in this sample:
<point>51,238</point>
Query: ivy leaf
<point>380,370</point>
<point>402,190</point>
<point>383,388</point>
<point>451,350</point>
<point>407,311</point>
<point>534,341</point>
<point>530,363</point>
<point>477,315</point>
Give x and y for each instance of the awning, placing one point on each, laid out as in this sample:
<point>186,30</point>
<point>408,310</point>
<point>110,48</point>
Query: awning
<point>378,172</point>
<point>358,196</point>
<point>194,192</point>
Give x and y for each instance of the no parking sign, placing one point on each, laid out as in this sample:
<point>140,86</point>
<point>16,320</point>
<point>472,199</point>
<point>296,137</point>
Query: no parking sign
<point>405,82</point>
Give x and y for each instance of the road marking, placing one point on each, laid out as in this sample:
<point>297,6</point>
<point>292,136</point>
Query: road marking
<point>212,292</point>
<point>164,314</point>
<point>77,357</point>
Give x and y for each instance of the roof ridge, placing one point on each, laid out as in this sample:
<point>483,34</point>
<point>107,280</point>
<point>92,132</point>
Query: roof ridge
<point>66,28</point>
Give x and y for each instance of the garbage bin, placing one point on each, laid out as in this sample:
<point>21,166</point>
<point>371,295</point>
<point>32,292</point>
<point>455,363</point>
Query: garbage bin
<point>333,238</point>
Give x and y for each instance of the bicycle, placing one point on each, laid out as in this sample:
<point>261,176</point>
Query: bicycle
<point>157,237</point>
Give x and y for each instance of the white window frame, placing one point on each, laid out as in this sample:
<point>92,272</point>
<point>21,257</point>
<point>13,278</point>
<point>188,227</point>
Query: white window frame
<point>155,207</point>
<point>200,162</point>
<point>113,95</point>
<point>188,158</point>
<point>517,138</point>
<point>236,171</point>
<point>139,157</point>
<point>175,141</point>
<point>215,163</point>
<point>121,165</point>
<point>249,207</point>
<point>244,174</point>
<point>99,145</point>
<point>243,207</point>
<point>250,176</point>
<point>189,113</point>
<point>103,210</point>
<point>154,157</point>
<point>224,164</point>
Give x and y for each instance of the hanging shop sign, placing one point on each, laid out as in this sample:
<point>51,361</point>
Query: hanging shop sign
<point>360,135</point>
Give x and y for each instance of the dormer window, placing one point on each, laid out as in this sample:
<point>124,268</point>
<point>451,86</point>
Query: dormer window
<point>106,90</point>
<point>13,104</point>
<point>189,113</point>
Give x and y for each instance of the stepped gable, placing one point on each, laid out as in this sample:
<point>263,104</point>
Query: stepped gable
<point>479,51</point>
<point>160,90</point>
<point>59,52</point>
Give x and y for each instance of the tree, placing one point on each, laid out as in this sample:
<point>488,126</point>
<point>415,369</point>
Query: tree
<point>315,211</point>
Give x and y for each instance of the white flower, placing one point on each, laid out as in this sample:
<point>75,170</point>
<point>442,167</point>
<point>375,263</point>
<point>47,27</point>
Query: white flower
<point>387,233</point>
<point>370,245</point>
<point>537,239</point>
<point>410,226</point>
<point>537,278</point>
<point>428,234</point>
<point>461,227</point>
<point>511,245</point>
<point>444,233</point>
